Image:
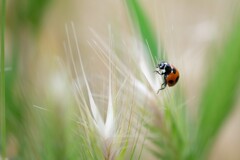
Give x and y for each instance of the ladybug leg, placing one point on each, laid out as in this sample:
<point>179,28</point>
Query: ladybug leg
<point>158,72</point>
<point>163,86</point>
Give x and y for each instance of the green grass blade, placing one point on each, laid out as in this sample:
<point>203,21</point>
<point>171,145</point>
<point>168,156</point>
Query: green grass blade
<point>3,120</point>
<point>147,33</point>
<point>35,11</point>
<point>220,92</point>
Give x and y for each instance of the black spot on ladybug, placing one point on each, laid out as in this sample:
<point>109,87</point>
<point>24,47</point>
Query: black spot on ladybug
<point>177,79</point>
<point>174,71</point>
<point>171,81</point>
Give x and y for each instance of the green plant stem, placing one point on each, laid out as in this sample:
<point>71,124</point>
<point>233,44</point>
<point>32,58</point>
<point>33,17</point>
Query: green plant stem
<point>220,93</point>
<point>3,120</point>
<point>146,31</point>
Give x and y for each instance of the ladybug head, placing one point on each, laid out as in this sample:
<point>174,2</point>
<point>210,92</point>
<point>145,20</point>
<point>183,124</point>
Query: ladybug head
<point>162,64</point>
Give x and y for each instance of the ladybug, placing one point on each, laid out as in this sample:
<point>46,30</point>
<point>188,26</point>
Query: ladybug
<point>169,73</point>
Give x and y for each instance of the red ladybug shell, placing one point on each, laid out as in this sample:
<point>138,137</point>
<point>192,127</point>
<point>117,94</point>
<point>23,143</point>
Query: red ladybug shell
<point>173,77</point>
